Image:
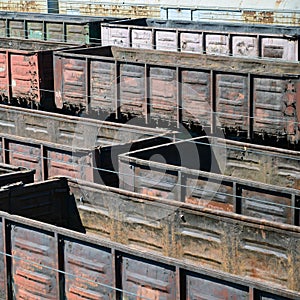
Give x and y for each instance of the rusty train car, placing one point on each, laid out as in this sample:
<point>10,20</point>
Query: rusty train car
<point>54,144</point>
<point>244,40</point>
<point>52,27</point>
<point>191,171</point>
<point>252,97</point>
<point>26,75</point>
<point>103,251</point>
<point>95,151</point>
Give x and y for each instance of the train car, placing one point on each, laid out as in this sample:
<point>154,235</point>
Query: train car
<point>233,39</point>
<point>242,160</point>
<point>55,144</point>
<point>193,171</point>
<point>252,97</point>
<point>194,235</point>
<point>52,27</point>
<point>26,75</point>
<point>95,250</point>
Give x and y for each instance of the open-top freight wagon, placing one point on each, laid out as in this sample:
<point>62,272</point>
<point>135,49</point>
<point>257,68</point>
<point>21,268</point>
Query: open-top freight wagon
<point>233,39</point>
<point>251,97</point>
<point>52,27</point>
<point>26,74</point>
<point>153,248</point>
<point>55,144</point>
<point>85,149</point>
<point>196,171</point>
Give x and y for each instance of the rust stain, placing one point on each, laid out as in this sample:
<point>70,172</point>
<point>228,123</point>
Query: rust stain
<point>210,204</point>
<point>147,293</point>
<point>266,17</point>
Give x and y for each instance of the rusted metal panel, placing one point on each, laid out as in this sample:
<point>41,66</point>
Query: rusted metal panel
<point>238,100</point>
<point>232,100</point>
<point>70,163</point>
<point>200,192</point>
<point>273,259</point>
<point>73,75</point>
<point>264,164</point>
<point>269,296</point>
<point>103,86</point>
<point>163,93</point>
<point>97,220</point>
<point>196,90</point>
<point>34,263</point>
<point>55,32</point>
<point>119,37</point>
<point>138,231</point>
<point>4,79</point>
<point>192,60</point>
<point>132,89</point>
<point>25,77</point>
<point>202,243</point>
<point>267,205</point>
<point>49,159</point>
<point>77,34</point>
<point>148,279</point>
<point>268,104</point>
<point>245,46</point>
<point>117,9</point>
<point>2,27</point>
<point>90,269</point>
<point>26,155</point>
<point>273,12</point>
<point>205,287</point>
<point>151,182</point>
